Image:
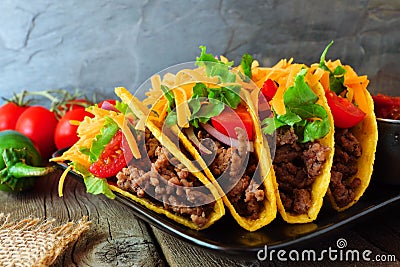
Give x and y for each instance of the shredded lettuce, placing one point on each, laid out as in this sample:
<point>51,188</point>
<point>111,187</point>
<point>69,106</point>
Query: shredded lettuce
<point>122,107</point>
<point>107,132</point>
<point>93,184</point>
<point>207,102</point>
<point>310,120</point>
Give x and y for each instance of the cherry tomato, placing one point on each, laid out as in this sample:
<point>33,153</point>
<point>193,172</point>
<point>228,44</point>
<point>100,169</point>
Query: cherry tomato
<point>72,104</point>
<point>77,103</point>
<point>114,157</point>
<point>65,133</point>
<point>345,114</point>
<point>38,123</point>
<point>229,119</point>
<point>269,89</point>
<point>9,114</point>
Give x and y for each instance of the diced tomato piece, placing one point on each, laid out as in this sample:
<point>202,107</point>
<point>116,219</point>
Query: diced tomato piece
<point>114,157</point>
<point>269,89</point>
<point>229,119</point>
<point>345,114</point>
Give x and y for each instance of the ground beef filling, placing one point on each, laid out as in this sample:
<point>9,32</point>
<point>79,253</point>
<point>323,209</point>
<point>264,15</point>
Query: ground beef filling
<point>347,152</point>
<point>296,166</point>
<point>244,191</point>
<point>160,179</point>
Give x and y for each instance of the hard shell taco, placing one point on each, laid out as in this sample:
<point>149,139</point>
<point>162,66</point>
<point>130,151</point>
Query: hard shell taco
<point>116,153</point>
<point>207,105</point>
<point>303,125</point>
<point>356,132</point>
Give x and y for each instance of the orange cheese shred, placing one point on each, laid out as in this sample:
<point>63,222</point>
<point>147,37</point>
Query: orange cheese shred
<point>359,85</point>
<point>62,180</point>
<point>159,110</point>
<point>182,108</point>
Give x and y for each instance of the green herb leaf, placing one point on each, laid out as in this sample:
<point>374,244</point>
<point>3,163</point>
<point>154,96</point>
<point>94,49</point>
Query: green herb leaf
<point>322,64</point>
<point>310,111</point>
<point>214,67</point>
<point>315,130</point>
<point>169,96</point>
<point>200,90</point>
<point>171,118</point>
<point>204,57</point>
<point>222,71</point>
<point>107,132</point>
<point>247,60</point>
<point>300,93</point>
<point>93,184</point>
<point>207,110</point>
<point>122,107</point>
<point>271,124</point>
<point>230,96</point>
<point>310,120</point>
<point>210,102</point>
<point>336,78</point>
<point>288,119</point>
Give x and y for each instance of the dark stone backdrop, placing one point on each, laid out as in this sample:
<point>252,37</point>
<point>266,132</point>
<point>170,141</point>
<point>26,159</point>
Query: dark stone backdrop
<point>95,45</point>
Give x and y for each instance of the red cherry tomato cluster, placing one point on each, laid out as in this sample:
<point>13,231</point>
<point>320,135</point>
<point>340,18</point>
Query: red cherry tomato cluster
<point>49,129</point>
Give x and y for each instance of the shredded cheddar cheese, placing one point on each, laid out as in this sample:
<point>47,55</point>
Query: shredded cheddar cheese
<point>356,85</point>
<point>87,131</point>
<point>62,180</point>
<point>182,107</point>
<point>284,73</point>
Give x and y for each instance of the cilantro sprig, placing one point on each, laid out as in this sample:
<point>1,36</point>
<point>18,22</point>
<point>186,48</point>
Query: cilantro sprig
<point>246,62</point>
<point>336,78</point>
<point>207,102</point>
<point>310,120</point>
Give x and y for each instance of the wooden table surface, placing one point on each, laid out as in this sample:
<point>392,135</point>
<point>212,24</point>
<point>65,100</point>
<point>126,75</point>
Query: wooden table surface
<point>117,238</point>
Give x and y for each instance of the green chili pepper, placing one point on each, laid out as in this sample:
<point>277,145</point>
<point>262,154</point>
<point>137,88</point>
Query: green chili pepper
<point>19,162</point>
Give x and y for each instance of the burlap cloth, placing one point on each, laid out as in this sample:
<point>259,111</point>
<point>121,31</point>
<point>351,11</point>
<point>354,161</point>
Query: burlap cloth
<point>35,242</point>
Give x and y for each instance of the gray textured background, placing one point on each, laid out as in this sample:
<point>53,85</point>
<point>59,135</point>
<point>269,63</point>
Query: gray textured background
<point>96,45</point>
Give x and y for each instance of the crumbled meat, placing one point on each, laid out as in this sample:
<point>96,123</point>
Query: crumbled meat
<point>222,160</point>
<point>296,167</point>
<point>315,157</point>
<point>151,144</point>
<point>302,200</point>
<point>287,201</point>
<point>348,142</point>
<point>286,136</point>
<point>169,183</point>
<point>245,194</point>
<point>347,152</point>
<point>239,154</point>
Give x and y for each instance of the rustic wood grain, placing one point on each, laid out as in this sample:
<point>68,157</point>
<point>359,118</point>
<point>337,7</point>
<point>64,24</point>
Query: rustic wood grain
<point>380,234</point>
<point>117,238</point>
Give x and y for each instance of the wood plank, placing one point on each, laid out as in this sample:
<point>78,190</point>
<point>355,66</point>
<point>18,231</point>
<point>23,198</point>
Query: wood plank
<point>115,238</point>
<point>179,253</point>
<point>381,238</point>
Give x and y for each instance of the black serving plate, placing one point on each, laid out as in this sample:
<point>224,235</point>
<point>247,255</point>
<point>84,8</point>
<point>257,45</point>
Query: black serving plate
<point>228,237</point>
